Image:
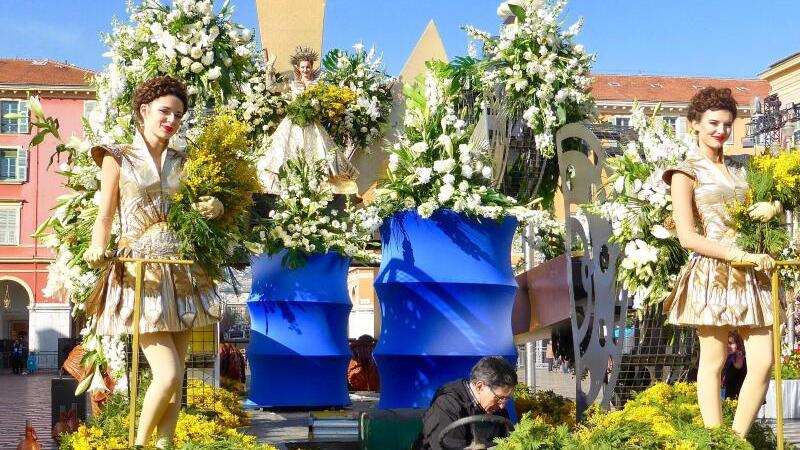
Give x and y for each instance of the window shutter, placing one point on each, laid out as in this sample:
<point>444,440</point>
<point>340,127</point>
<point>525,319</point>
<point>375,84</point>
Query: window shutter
<point>8,226</point>
<point>23,124</point>
<point>680,127</point>
<point>22,165</point>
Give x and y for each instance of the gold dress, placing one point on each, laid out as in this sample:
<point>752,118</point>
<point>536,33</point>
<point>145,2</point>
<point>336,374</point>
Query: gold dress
<point>174,297</point>
<point>709,291</point>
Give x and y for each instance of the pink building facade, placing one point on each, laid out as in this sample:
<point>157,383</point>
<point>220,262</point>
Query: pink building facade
<point>28,191</point>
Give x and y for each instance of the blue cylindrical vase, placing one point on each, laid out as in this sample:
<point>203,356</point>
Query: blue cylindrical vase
<point>446,290</point>
<point>298,352</point>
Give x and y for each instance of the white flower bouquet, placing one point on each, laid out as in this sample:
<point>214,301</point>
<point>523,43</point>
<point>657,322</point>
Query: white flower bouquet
<point>304,222</point>
<point>435,165</point>
<point>214,56</point>
<point>640,211</point>
<point>363,73</point>
<point>261,106</point>
<point>543,74</point>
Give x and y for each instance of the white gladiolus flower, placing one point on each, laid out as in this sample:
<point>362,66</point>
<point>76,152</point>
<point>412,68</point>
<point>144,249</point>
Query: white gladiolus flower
<point>419,148</point>
<point>486,171</point>
<point>394,161</point>
<point>208,58</point>
<point>213,33</point>
<point>98,383</point>
<point>619,185</point>
<point>183,48</point>
<point>196,52</point>
<point>659,232</point>
<point>196,67</point>
<point>214,73</point>
<point>444,165</point>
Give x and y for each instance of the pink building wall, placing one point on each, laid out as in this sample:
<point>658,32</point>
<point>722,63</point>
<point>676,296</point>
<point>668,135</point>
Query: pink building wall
<point>38,195</point>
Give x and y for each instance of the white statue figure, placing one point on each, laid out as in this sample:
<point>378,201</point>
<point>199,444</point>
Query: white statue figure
<point>311,141</point>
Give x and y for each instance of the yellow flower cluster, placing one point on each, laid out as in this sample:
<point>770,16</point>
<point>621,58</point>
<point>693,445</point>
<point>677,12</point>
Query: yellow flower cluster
<point>551,408</point>
<point>95,438</point>
<point>662,417</point>
<point>198,429</point>
<point>223,404</point>
<point>217,165</point>
<point>785,170</point>
<point>333,100</point>
<point>231,385</point>
<point>213,416</point>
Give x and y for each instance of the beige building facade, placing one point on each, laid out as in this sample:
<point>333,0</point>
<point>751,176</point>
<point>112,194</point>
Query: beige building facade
<point>615,96</point>
<point>784,78</point>
<point>286,24</point>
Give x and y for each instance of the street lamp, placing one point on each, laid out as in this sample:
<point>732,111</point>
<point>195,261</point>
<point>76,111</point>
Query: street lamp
<point>6,299</point>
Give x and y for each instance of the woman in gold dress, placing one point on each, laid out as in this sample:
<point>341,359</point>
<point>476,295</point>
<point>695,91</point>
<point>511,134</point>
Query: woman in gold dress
<point>139,181</point>
<point>710,294</point>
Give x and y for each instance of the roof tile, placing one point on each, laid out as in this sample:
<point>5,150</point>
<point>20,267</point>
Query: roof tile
<point>671,88</point>
<point>42,73</point>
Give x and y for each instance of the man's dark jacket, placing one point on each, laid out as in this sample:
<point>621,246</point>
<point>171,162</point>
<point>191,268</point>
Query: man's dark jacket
<point>451,402</point>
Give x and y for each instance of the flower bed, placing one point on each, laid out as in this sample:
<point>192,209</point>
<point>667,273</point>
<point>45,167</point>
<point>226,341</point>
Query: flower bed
<point>662,417</point>
<point>208,422</point>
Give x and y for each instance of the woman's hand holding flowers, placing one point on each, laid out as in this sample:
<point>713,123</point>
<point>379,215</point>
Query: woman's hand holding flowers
<point>209,207</point>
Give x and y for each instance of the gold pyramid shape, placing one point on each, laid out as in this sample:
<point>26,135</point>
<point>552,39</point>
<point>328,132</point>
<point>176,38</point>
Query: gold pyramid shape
<point>286,24</point>
<point>429,47</point>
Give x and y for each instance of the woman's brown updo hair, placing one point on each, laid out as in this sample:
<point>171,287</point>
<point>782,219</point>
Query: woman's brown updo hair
<point>157,87</point>
<point>711,98</point>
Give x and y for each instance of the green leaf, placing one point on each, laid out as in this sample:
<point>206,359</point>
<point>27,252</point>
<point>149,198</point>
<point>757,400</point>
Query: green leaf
<point>518,11</point>
<point>330,59</point>
<point>84,385</point>
<point>38,139</point>
<point>562,115</point>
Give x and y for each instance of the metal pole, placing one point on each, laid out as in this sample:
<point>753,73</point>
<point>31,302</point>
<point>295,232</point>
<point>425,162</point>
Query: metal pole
<point>791,297</point>
<point>776,348</point>
<point>530,364</point>
<point>137,299</point>
<point>530,347</point>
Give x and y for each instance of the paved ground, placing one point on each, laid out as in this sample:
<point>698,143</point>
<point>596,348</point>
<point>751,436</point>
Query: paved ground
<point>24,397</point>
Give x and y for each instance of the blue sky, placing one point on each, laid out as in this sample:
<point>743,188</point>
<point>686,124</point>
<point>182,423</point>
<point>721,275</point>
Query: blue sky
<point>719,38</point>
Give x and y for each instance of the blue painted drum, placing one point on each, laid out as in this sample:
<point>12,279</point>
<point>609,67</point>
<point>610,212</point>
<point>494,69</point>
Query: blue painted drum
<point>446,290</point>
<point>298,352</point>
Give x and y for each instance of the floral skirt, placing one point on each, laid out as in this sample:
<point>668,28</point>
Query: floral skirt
<point>710,292</point>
